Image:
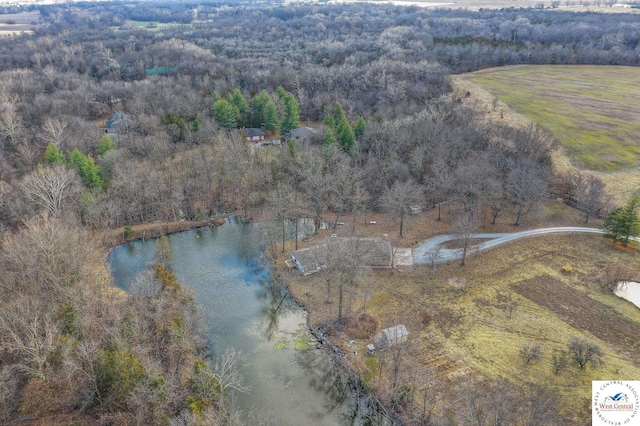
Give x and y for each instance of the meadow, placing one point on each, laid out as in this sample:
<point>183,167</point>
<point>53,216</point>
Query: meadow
<point>592,110</point>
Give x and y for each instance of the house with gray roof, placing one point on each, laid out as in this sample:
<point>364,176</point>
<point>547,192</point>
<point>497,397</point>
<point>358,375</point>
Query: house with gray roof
<point>364,252</point>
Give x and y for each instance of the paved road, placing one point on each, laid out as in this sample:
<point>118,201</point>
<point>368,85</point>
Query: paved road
<point>422,253</point>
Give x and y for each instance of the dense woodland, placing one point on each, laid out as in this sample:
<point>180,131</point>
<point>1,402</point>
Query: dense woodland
<point>373,78</point>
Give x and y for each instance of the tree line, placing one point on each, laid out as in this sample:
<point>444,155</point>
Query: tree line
<point>373,78</point>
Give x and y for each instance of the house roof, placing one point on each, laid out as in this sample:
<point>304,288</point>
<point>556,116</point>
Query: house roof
<point>251,132</point>
<point>370,251</point>
<point>303,133</point>
<point>115,119</point>
<point>397,332</point>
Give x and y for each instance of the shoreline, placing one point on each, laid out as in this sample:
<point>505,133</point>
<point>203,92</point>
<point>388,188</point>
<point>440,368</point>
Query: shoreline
<point>115,237</point>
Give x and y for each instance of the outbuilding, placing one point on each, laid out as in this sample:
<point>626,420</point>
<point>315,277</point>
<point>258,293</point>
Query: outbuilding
<point>392,336</point>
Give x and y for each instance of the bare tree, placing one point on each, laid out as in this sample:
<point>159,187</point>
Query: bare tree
<point>47,187</point>
<point>538,407</point>
<point>315,187</point>
<point>399,197</point>
<point>585,353</point>
<point>526,186</point>
<point>29,332</point>
<point>54,130</point>
<point>560,361</point>
<point>530,352</point>
<point>590,196</point>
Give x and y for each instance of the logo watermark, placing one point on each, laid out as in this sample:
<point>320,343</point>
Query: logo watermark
<point>615,402</point>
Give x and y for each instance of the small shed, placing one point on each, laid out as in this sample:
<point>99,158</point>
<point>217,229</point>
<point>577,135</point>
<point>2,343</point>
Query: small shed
<point>414,209</point>
<point>392,336</point>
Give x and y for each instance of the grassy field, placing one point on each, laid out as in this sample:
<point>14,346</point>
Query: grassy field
<point>591,110</point>
<point>17,23</point>
<point>151,26</point>
<point>472,335</point>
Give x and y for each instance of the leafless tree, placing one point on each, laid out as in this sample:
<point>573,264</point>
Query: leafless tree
<point>526,186</point>
<point>585,353</point>
<point>54,130</point>
<point>315,187</point>
<point>47,187</point>
<point>28,331</point>
<point>590,196</point>
<point>560,361</point>
<point>399,197</point>
<point>530,352</point>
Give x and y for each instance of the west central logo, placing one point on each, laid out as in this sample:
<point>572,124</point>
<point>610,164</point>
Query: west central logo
<point>615,402</point>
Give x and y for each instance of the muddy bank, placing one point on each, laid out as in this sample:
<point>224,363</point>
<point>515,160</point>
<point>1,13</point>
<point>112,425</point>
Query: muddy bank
<point>125,234</point>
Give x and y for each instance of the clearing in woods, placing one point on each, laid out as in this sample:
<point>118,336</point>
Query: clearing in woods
<point>591,110</point>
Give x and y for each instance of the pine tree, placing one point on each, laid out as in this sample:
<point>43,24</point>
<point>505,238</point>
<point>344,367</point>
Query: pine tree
<point>88,171</point>
<point>240,102</point>
<point>623,222</point>
<point>338,113</point>
<point>270,114</point>
<point>290,114</point>
<point>52,155</point>
<point>359,128</point>
<point>330,137</point>
<point>225,114</point>
<point>258,104</point>
<point>346,138</point>
<point>329,121</point>
<point>106,144</point>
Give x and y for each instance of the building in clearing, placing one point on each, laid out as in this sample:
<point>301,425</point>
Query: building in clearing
<point>391,336</point>
<point>365,252</point>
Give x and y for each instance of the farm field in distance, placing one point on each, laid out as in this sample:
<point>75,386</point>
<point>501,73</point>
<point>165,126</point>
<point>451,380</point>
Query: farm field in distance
<point>592,110</point>
<point>16,23</point>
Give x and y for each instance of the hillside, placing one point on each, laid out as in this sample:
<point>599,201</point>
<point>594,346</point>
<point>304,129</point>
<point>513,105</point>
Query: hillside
<point>591,110</point>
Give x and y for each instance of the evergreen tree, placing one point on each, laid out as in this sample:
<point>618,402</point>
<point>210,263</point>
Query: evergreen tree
<point>623,222</point>
<point>225,114</point>
<point>330,137</point>
<point>270,114</point>
<point>346,138</point>
<point>338,114</point>
<point>290,114</point>
<point>88,171</point>
<point>329,121</point>
<point>258,104</point>
<point>52,155</point>
<point>359,128</point>
<point>240,102</point>
<point>106,144</point>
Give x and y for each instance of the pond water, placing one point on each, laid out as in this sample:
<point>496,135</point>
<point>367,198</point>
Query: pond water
<point>231,282</point>
<point>630,291</point>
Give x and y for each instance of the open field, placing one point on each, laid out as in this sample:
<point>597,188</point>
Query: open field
<point>591,110</point>
<point>151,26</point>
<point>16,23</point>
<point>493,4</point>
<point>485,312</point>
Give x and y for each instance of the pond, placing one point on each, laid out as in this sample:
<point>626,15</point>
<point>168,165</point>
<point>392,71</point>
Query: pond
<point>246,310</point>
<point>630,291</point>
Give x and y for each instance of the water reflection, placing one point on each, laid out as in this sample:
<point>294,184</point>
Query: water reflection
<point>630,291</point>
<point>245,310</point>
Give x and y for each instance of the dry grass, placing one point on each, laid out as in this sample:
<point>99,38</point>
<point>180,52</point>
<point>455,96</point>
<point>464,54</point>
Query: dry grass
<point>591,110</point>
<point>472,334</point>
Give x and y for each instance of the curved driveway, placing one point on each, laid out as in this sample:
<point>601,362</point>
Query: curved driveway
<point>430,250</point>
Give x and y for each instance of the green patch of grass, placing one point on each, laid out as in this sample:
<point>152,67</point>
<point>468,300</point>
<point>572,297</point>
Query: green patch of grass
<point>282,343</point>
<point>150,26</point>
<point>592,110</point>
